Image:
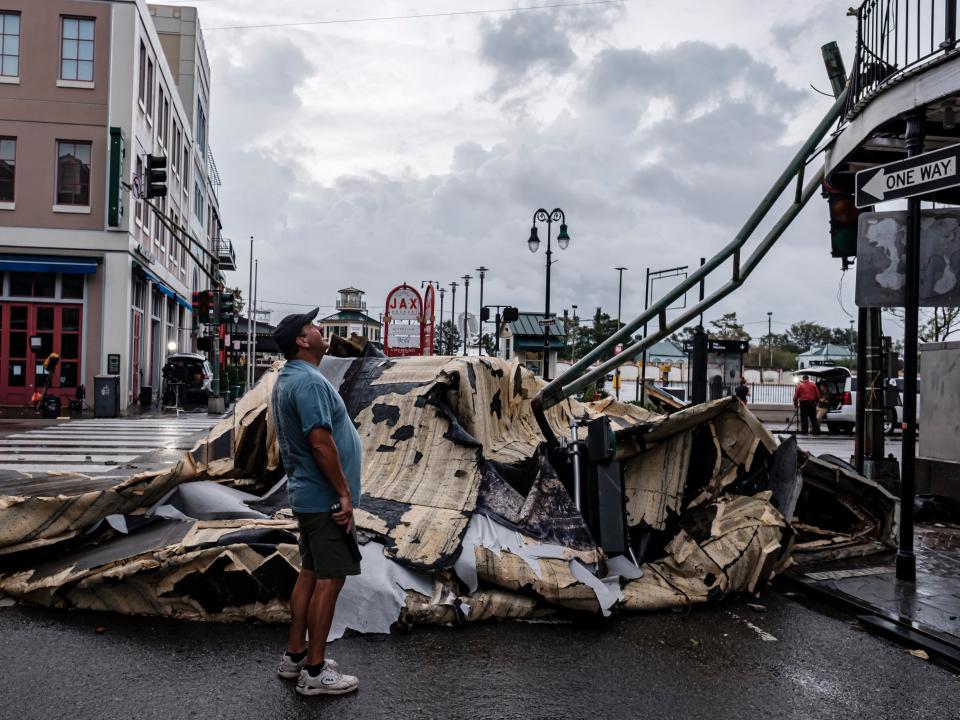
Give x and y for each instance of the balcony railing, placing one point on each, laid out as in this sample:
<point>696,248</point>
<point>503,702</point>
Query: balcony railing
<point>226,255</point>
<point>896,38</point>
<point>351,305</point>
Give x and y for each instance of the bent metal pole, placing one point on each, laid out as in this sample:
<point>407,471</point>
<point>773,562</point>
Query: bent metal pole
<point>581,373</point>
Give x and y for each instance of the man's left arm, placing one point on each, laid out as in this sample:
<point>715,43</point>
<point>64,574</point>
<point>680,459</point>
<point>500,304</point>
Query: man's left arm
<point>327,458</point>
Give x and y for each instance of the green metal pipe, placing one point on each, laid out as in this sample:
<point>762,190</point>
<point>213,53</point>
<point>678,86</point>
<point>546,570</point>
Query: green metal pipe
<point>755,257</point>
<point>786,177</point>
<point>562,387</point>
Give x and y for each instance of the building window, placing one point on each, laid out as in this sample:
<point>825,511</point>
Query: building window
<point>163,111</point>
<point>138,213</point>
<point>73,173</point>
<point>201,128</point>
<point>8,161</point>
<point>142,86</point>
<point>76,49</point>
<point>197,201</point>
<point>31,284</point>
<point>71,287</point>
<point>10,44</point>
<point>150,89</point>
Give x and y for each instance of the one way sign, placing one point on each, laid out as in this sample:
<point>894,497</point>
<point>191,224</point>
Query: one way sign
<point>918,175</point>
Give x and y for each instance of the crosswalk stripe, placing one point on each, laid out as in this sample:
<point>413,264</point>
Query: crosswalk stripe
<point>95,443</point>
<point>45,467</point>
<point>100,436</point>
<point>69,457</point>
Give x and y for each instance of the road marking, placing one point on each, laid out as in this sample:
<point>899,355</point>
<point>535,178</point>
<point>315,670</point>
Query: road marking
<point>761,633</point>
<point>61,458</point>
<point>127,446</point>
<point>46,468</point>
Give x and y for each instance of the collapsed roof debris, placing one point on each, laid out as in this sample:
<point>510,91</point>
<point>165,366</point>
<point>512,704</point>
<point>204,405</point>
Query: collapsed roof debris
<point>465,515</point>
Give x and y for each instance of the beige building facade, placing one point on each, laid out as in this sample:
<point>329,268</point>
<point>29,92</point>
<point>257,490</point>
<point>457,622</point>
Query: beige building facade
<point>88,90</point>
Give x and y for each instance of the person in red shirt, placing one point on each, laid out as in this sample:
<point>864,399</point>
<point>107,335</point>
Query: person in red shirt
<point>805,400</point>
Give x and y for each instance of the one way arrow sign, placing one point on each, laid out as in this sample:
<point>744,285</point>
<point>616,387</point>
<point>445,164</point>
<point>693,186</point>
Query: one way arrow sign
<point>918,175</point>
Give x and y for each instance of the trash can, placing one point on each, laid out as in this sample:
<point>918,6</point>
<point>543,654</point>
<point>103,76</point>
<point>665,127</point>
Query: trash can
<point>146,396</point>
<point>50,407</point>
<point>106,400</point>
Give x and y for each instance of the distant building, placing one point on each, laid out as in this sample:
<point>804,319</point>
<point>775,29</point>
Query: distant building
<point>351,317</point>
<point>89,89</point>
<point>523,339</point>
<point>824,353</point>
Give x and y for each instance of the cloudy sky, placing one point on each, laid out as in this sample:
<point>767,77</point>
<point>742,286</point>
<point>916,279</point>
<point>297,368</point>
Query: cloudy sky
<point>384,151</point>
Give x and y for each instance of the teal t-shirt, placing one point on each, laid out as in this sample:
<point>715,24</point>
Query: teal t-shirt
<point>303,399</point>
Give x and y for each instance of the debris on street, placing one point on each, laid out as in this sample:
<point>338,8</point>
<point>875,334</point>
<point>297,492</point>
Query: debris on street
<point>466,513</point>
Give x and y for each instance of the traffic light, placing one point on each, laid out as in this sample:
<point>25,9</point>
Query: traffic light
<point>843,222</point>
<point>484,314</point>
<point>205,343</point>
<point>156,180</point>
<point>510,314</point>
<point>203,307</point>
<point>227,306</point>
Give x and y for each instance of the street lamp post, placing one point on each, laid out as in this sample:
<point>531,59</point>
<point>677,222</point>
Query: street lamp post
<point>483,271</point>
<point>619,324</point>
<point>466,311</point>
<point>453,313</point>
<point>563,241</point>
<point>573,340</point>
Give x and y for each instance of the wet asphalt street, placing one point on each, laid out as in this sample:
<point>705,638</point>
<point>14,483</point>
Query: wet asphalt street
<point>720,661</point>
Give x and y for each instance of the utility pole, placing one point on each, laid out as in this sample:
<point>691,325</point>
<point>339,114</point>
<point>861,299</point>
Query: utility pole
<point>619,324</point>
<point>453,314</point>
<point>443,291</point>
<point>466,309</point>
<point>770,337</point>
<point>483,271</point>
<point>250,320</point>
<point>253,338</point>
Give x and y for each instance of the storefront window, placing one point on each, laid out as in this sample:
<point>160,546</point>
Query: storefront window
<point>71,287</point>
<point>71,319</point>
<point>45,318</point>
<point>27,284</point>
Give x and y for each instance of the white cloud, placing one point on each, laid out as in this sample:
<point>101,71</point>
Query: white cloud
<point>380,153</point>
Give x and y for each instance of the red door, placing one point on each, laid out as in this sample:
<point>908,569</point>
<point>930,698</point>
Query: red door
<point>137,333</point>
<point>58,328</point>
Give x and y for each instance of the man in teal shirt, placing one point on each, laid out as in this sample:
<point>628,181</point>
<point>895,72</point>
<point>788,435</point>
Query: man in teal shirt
<point>321,454</point>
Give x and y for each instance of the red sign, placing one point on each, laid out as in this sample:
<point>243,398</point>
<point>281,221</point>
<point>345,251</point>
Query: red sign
<point>429,321</point>
<point>403,322</point>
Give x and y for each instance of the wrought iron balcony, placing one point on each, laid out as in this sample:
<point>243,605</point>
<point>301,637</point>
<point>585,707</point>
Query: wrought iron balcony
<point>896,39</point>
<point>225,254</point>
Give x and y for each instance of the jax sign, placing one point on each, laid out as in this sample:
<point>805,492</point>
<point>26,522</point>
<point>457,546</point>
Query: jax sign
<point>403,322</point>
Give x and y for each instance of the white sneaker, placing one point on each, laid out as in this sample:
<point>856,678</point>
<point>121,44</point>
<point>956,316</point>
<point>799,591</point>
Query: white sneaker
<point>330,681</point>
<point>290,669</point>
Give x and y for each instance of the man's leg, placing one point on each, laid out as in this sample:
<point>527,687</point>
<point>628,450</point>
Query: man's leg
<point>323,602</point>
<point>299,606</point>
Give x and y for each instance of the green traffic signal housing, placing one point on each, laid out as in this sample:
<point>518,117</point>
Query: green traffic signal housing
<point>844,217</point>
<point>156,180</point>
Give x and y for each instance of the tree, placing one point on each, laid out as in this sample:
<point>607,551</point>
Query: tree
<point>935,324</point>
<point>237,298</point>
<point>488,343</point>
<point>726,327</point>
<point>805,335</point>
<point>847,337</point>
<point>447,339</point>
<point>588,337</point>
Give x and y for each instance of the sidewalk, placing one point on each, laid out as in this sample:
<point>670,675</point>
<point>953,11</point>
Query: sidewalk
<point>924,614</point>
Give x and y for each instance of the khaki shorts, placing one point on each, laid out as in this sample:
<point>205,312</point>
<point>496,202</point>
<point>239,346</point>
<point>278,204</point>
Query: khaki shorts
<point>326,548</point>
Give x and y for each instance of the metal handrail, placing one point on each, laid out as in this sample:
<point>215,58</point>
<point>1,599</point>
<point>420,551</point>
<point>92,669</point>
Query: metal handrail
<point>893,38</point>
<point>580,374</point>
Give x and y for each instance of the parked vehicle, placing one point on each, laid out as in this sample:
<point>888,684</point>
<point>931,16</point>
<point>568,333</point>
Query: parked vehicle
<point>842,386</point>
<point>190,372</point>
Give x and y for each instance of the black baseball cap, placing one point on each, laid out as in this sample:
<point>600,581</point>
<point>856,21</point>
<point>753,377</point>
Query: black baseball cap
<point>288,329</point>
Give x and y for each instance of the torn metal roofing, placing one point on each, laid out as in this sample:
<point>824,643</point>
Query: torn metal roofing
<point>465,513</point>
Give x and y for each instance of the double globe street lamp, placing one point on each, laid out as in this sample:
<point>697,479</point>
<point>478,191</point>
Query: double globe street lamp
<point>563,240</point>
